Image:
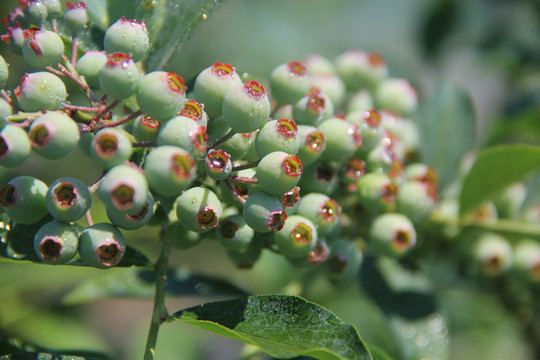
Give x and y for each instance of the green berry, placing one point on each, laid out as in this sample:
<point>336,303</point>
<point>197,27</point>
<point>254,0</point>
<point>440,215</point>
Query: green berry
<point>56,242</point>
<point>392,235</point>
<point>376,192</point>
<point>101,245</point>
<point>237,146</point>
<point>317,64</point>
<point>321,210</point>
<point>396,95</point>
<point>40,91</point>
<point>68,199</point>
<point>320,177</point>
<point>110,147</point>
<point>119,77</point>
<point>127,36</point>
<point>161,94</point>
<point>352,170</point>
<point>180,237</point>
<point>277,135</point>
<point>416,200</point>
<point>317,256</point>
<point>211,86</point>
<point>264,212</point>
<point>313,108</point>
<point>145,129</point>
<point>89,65</point>
<point>492,253</point>
<point>42,47</point>
<point>289,82</point>
<point>23,199</point>
<point>199,209</point>
<point>183,132</point>
<point>247,258</point>
<point>527,259</point>
<point>135,220</point>
<point>361,70</point>
<point>331,85</point>
<point>290,199</point>
<point>246,107</point>
<point>35,12</point>
<point>54,8</point>
<point>383,159</point>
<point>343,263</point>
<point>218,164</point>
<point>75,17</point>
<point>297,237</point>
<point>54,135</point>
<point>234,234</point>
<point>360,100</point>
<point>124,188</point>
<point>341,138</point>
<point>370,128</point>
<point>194,110</point>
<point>14,146</point>
<point>241,189</point>
<point>311,144</point>
<point>5,111</point>
<point>278,172</point>
<point>421,172</point>
<point>14,37</point>
<point>4,72</point>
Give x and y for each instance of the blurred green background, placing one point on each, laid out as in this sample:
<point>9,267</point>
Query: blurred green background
<point>490,47</point>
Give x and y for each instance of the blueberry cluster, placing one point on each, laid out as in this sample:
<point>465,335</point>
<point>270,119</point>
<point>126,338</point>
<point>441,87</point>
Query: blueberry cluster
<point>319,163</point>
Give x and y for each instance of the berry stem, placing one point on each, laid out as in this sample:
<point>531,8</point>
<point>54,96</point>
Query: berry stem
<point>246,166</point>
<point>94,109</point>
<point>88,217</point>
<point>99,115</point>
<point>218,142</point>
<point>74,48</point>
<point>243,179</point>
<point>160,313</point>
<point>54,25</point>
<point>233,191</point>
<point>123,120</point>
<point>69,71</point>
<point>54,71</point>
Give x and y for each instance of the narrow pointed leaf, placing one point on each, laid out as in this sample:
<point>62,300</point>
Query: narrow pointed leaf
<point>494,170</point>
<point>281,325</point>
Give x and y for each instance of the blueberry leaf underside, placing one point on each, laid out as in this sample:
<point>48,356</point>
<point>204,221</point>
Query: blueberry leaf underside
<point>281,325</point>
<point>494,170</point>
<point>447,129</point>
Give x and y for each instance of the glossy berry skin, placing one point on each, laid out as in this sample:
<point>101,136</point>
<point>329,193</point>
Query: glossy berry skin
<point>89,65</point>
<point>169,170</point>
<point>297,237</point>
<point>322,210</point>
<point>313,108</point>
<point>68,199</point>
<point>132,221</point>
<point>127,36</point>
<point>370,127</point>
<point>54,8</point>
<point>14,38</point>
<point>180,237</point>
<point>145,129</point>
<point>331,85</point>
<point>527,259</point>
<point>416,200</point>
<point>42,47</point>
<point>360,69</point>
<point>5,111</point>
<point>360,100</point>
<point>218,164</point>
<point>343,263</point>
<point>211,86</point>
<point>56,242</point>
<point>119,77</point>
<point>320,177</point>
<point>377,192</point>
<point>40,91</point>
<point>101,245</point>
<point>234,234</point>
<point>392,235</point>
<point>492,253</point>
<point>110,147</point>
<point>124,188</point>
<point>397,95</point>
<point>53,135</point>
<point>277,135</point>
<point>161,94</point>
<point>183,132</point>
<point>246,107</point>
<point>278,172</point>
<point>23,199</point>
<point>199,209</point>
<point>264,213</point>
<point>289,82</point>
<point>194,110</point>
<point>342,139</point>
<point>237,146</point>
<point>14,146</point>
<point>75,17</point>
<point>35,12</point>
<point>4,72</point>
<point>311,144</point>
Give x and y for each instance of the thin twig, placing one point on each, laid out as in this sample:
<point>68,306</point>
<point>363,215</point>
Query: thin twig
<point>246,166</point>
<point>218,142</point>
<point>233,191</point>
<point>73,48</point>
<point>123,120</point>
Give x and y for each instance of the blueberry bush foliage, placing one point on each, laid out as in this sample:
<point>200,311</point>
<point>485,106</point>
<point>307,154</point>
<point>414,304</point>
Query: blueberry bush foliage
<point>331,180</point>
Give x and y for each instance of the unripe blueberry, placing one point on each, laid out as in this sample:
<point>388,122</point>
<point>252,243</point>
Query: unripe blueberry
<point>396,95</point>
<point>510,201</point>
<point>360,100</point>
<point>40,91</point>
<point>317,64</point>
<point>124,188</point>
<point>289,82</point>
<point>237,146</point>
<point>101,245</point>
<point>377,192</point>
<point>211,86</point>
<point>234,234</point>
<point>320,176</point>
<point>343,263</point>
<point>264,212</point>
<point>199,209</point>
<point>403,132</point>
<point>321,210</point>
<point>247,258</point>
<point>4,72</point>
<point>241,189</point>
<point>145,129</point>
<point>527,259</point>
<point>183,132</point>
<point>311,144</point>
<point>291,198</point>
<point>342,139</point>
<point>352,170</point>
<point>331,85</point>
<point>5,111</point>
<point>15,17</point>
<point>68,199</point>
<point>317,256</point>
<point>169,170</point>
<point>383,159</point>
<point>361,70</point>
<point>492,253</point>
<point>180,237</point>
<point>14,146</point>
<point>218,164</point>
<point>110,147</point>
<point>56,242</point>
<point>119,77</point>
<point>370,127</point>
<point>246,107</point>
<point>422,173</point>
<point>42,47</point>
<point>132,221</point>
<point>297,237</point>
<point>392,235</point>
<point>14,38</point>
<point>23,199</point>
<point>313,108</point>
<point>277,135</point>
<point>75,17</point>
<point>194,110</point>
<point>53,135</point>
<point>161,94</point>
<point>54,8</point>
<point>127,36</point>
<point>278,172</point>
<point>89,65</point>
<point>416,200</point>
<point>35,11</point>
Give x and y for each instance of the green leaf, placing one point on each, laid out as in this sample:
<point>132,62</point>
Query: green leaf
<point>494,170</point>
<point>447,129</point>
<point>15,349</point>
<point>46,356</point>
<point>139,283</point>
<point>281,325</point>
<point>378,354</point>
